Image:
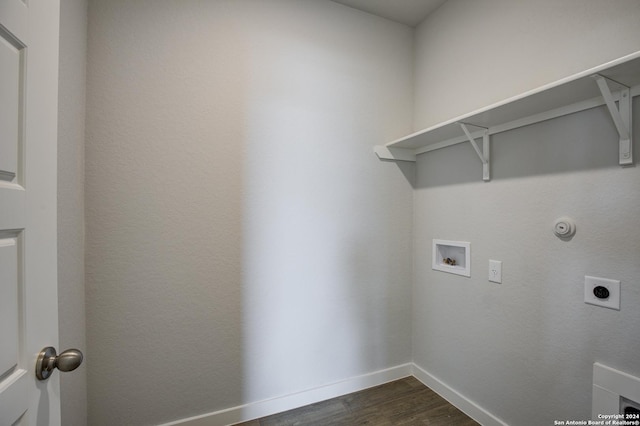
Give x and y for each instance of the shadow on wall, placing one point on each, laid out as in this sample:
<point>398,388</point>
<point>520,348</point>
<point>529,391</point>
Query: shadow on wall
<point>589,141</point>
<point>237,219</point>
<point>164,178</point>
<point>533,337</point>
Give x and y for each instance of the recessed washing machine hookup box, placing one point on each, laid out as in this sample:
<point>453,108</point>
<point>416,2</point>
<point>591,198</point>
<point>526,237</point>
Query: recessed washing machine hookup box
<point>453,257</point>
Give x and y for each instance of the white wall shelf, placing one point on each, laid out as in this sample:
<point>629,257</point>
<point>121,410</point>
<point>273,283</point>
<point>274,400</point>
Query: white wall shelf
<point>612,84</point>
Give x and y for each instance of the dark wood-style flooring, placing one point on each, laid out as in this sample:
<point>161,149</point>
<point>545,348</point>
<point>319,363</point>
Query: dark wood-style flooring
<point>403,402</point>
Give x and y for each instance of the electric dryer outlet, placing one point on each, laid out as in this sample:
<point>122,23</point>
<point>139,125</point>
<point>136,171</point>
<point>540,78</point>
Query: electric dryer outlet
<point>602,292</point>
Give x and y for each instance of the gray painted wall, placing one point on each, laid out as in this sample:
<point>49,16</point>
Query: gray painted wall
<point>470,54</point>
<point>243,241</point>
<point>197,245</point>
<point>71,115</point>
<point>524,349</point>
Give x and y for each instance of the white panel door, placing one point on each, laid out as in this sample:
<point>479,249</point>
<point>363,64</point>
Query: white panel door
<point>28,152</point>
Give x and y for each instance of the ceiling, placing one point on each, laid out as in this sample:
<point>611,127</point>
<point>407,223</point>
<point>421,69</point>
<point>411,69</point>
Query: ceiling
<point>409,12</point>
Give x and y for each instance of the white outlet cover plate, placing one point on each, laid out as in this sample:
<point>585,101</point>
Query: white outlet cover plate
<point>495,271</point>
<point>611,302</point>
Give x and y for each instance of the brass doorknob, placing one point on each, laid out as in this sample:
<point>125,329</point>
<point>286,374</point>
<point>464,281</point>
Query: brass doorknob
<point>68,360</point>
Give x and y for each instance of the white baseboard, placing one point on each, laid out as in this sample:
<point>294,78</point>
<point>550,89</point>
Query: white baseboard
<point>271,406</point>
<point>464,404</point>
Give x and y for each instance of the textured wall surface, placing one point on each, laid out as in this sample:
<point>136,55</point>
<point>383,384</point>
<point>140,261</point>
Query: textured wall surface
<point>71,115</point>
<point>524,349</point>
<point>243,241</point>
<point>470,54</point>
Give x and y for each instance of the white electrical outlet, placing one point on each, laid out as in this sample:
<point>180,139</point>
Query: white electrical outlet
<point>602,292</point>
<point>495,271</point>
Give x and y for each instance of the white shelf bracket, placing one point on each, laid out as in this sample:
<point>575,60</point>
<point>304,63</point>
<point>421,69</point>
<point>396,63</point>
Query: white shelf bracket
<point>485,153</point>
<point>386,153</point>
<point>621,116</point>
